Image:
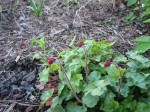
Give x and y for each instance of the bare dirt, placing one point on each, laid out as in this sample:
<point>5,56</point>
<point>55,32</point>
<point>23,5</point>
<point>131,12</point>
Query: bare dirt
<point>60,24</point>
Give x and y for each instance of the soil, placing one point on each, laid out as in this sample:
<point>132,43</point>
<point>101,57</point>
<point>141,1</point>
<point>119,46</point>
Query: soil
<point>59,24</point>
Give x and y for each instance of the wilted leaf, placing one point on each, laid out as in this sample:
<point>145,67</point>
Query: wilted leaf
<point>45,96</point>
<point>48,102</point>
<point>39,86</point>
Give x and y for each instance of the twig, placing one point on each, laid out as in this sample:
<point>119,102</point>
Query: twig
<point>119,86</point>
<point>29,74</point>
<point>10,107</point>
<point>74,93</point>
<point>120,81</point>
<point>19,103</point>
<point>86,66</point>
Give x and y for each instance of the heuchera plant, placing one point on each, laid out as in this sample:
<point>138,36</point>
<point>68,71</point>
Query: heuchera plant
<point>92,78</point>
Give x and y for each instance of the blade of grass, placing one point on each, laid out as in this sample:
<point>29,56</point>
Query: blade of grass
<point>32,2</point>
<point>40,6</point>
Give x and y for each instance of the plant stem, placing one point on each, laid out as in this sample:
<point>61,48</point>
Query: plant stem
<point>74,93</point>
<point>120,81</point>
<point>86,66</point>
<point>119,86</point>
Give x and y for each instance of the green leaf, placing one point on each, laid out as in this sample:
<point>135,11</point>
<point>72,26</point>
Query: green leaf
<point>65,94</point>
<point>124,90</point>
<point>147,21</point>
<point>44,75</point>
<point>129,104</point>
<point>143,43</point>
<point>96,58</point>
<point>68,56</point>
<point>58,108</point>
<point>76,81</point>
<point>131,2</point>
<point>94,76</point>
<point>61,53</point>
<point>40,42</point>
<point>73,107</point>
<point>136,8</point>
<point>45,96</point>
<point>143,47</point>
<point>96,88</point>
<point>129,16</point>
<point>110,106</point>
<point>140,60</point>
<point>120,58</point>
<point>100,88</point>
<point>89,44</point>
<point>37,56</point>
<point>76,64</point>
<point>40,6</point>
<point>136,79</point>
<point>142,39</point>
<point>33,4</point>
<point>147,11</point>
<point>143,107</point>
<point>89,100</point>
<point>54,67</point>
<point>60,89</point>
<point>113,73</point>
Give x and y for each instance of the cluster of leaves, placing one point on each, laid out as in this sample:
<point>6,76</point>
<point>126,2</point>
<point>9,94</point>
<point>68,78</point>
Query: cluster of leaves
<point>36,6</point>
<point>93,78</point>
<point>143,43</point>
<point>142,7</point>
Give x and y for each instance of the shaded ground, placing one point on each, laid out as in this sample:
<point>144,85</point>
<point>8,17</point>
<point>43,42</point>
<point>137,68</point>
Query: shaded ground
<point>60,24</point>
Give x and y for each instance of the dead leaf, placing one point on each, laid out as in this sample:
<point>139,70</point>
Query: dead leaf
<point>39,86</point>
<point>29,109</point>
<point>48,103</point>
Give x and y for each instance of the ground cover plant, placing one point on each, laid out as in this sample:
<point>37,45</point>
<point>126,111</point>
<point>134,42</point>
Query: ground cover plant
<point>36,6</point>
<point>141,10</point>
<point>78,78</point>
<point>91,78</point>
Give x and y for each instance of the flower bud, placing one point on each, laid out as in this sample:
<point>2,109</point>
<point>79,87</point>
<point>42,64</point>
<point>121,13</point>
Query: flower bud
<point>107,63</point>
<point>80,44</point>
<point>51,60</point>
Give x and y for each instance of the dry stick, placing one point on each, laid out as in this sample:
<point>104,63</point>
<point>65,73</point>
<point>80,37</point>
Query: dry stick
<point>86,66</point>
<point>74,93</point>
<point>19,103</point>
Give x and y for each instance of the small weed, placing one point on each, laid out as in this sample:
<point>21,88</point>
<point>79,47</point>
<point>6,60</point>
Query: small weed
<point>141,11</point>
<point>36,6</point>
